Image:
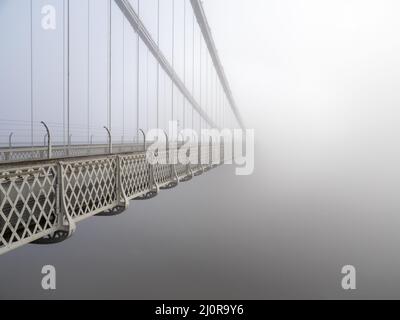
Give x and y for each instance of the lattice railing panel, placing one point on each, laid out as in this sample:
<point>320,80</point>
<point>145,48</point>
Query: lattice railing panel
<point>181,170</point>
<point>61,151</point>
<point>162,170</point>
<point>135,175</point>
<point>31,199</point>
<point>194,158</point>
<point>79,151</point>
<point>205,154</point>
<point>28,204</point>
<point>90,186</point>
<point>23,155</point>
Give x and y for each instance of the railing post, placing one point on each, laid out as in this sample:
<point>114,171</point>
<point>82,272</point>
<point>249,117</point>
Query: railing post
<point>8,154</point>
<point>63,215</point>
<point>144,140</point>
<point>174,172</point>
<point>59,197</point>
<point>174,176</point>
<point>10,139</point>
<point>118,178</point>
<point>152,177</point>
<point>49,147</point>
<point>109,140</point>
<point>122,199</point>
<point>188,170</point>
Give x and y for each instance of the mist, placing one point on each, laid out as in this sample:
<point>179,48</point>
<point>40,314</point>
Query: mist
<point>318,81</point>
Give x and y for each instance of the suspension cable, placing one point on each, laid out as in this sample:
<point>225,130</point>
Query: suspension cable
<point>147,89</point>
<point>158,65</point>
<point>210,87</point>
<point>66,73</point>
<point>207,77</point>
<point>173,57</point>
<point>31,62</point>
<point>88,71</point>
<point>109,64</point>
<point>184,62</point>
<point>201,80</point>
<point>138,79</point>
<point>165,117</point>
<point>193,68</point>
<point>123,79</point>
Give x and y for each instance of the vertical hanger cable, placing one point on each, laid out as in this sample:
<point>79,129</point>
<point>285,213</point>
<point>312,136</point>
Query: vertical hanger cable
<point>193,68</point>
<point>123,78</point>
<point>184,62</point>
<point>207,83</point>
<point>201,80</point>
<point>147,90</point>
<point>138,78</point>
<point>88,71</point>
<point>109,64</point>
<point>158,65</point>
<point>64,75</point>
<point>173,58</point>
<point>31,62</point>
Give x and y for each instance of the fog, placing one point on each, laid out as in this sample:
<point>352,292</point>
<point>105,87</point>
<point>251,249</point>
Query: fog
<point>317,80</point>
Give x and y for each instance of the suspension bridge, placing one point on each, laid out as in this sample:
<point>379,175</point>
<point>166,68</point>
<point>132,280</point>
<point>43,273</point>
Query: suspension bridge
<point>101,74</point>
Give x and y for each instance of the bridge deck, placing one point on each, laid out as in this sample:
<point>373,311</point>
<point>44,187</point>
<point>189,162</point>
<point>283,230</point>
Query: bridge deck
<point>40,198</point>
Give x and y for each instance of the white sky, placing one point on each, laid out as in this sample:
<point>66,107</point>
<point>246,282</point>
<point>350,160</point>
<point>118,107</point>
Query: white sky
<point>328,65</point>
<point>322,70</point>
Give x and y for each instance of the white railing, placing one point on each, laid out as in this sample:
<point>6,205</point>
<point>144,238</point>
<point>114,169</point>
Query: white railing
<point>48,197</point>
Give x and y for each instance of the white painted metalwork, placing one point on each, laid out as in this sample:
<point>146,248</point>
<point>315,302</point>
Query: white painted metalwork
<point>47,198</point>
<point>206,31</point>
<point>139,27</point>
<point>46,190</point>
<point>29,204</point>
<point>90,186</point>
